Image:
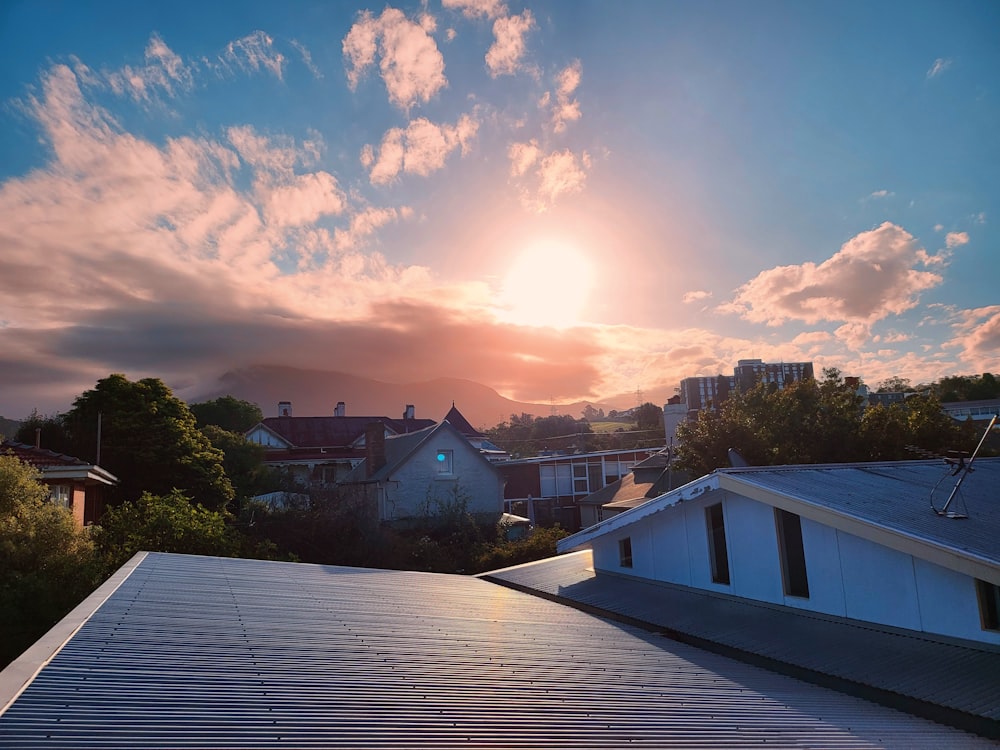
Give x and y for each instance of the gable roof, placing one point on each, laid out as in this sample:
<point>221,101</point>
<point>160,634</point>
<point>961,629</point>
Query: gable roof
<point>455,418</point>
<point>55,466</point>
<point>400,448</point>
<point>333,432</point>
<point>887,502</point>
<point>178,650</point>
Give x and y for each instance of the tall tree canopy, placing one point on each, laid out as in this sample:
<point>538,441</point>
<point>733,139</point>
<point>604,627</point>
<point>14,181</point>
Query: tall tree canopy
<point>227,412</point>
<point>148,439</point>
<point>816,422</point>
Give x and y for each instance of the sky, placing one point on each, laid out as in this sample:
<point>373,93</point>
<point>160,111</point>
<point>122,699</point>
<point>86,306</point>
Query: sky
<point>559,200</point>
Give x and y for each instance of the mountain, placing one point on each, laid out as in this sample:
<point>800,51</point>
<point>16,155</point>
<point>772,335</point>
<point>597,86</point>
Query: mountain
<point>315,393</point>
<point>8,427</point>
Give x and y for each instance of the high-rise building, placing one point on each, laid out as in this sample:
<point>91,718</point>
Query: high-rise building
<point>703,392</point>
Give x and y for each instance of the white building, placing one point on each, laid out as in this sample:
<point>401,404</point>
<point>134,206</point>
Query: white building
<point>854,541</point>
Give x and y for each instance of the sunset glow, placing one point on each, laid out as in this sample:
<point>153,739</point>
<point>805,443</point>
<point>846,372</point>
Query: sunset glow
<point>548,284</point>
<point>560,201</point>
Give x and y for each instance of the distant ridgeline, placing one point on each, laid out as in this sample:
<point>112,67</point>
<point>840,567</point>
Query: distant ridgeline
<point>9,427</point>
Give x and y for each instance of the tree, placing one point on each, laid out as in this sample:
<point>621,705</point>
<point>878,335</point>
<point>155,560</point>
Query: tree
<point>148,439</point>
<point>244,463</point>
<point>49,431</point>
<point>47,564</point>
<point>162,523</point>
<point>232,414</point>
<point>649,416</point>
<point>895,384</point>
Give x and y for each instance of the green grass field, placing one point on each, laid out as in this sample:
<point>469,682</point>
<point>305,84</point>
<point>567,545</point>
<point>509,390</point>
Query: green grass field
<point>601,427</point>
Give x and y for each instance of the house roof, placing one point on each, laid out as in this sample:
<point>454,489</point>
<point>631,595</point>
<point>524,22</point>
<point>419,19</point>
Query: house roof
<point>951,680</point>
<point>399,449</point>
<point>57,466</point>
<point>183,651</point>
<point>333,432</point>
<point>455,418</point>
<point>888,503</point>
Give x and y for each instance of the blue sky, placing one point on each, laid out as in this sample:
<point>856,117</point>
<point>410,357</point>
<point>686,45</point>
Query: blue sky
<point>559,200</point>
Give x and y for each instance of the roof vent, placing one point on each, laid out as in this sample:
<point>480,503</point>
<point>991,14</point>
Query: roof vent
<point>340,410</point>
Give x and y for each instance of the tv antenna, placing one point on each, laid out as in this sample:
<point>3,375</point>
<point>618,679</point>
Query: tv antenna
<point>960,469</point>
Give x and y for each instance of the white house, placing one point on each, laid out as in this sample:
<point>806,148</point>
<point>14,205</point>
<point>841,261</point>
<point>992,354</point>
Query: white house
<point>854,541</point>
<point>426,473</point>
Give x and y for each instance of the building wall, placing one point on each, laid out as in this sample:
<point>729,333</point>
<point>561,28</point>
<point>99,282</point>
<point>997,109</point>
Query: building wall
<point>419,486</point>
<point>260,436</point>
<point>847,576</point>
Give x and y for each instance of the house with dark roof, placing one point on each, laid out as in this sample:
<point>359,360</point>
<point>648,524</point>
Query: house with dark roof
<point>73,483</point>
<point>320,451</point>
<point>648,479</point>
<point>875,543</point>
<point>429,472</point>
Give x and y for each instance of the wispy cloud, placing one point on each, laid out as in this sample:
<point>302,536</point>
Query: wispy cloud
<point>477,8</point>
<point>881,194</point>
<point>956,239</point>
<point>420,148</point>
<point>696,296</point>
<point>565,109</point>
<point>545,178</point>
<point>255,52</point>
<point>410,63</point>
<point>940,66</point>
<point>307,59</point>
<point>164,72</point>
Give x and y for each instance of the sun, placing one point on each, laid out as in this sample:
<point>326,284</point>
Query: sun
<point>549,285</point>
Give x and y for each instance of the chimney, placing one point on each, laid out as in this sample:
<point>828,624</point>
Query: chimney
<point>340,410</point>
<point>38,437</point>
<point>410,411</point>
<point>284,408</point>
<point>374,448</point>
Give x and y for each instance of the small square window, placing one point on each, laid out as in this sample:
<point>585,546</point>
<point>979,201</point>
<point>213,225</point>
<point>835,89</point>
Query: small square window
<point>444,459</point>
<point>59,494</point>
<point>625,552</point>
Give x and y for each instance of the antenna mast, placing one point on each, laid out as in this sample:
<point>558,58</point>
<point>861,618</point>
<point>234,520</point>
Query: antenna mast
<point>962,470</point>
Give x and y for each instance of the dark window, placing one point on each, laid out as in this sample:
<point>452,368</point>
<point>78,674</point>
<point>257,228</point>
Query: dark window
<point>625,552</point>
<point>717,543</point>
<point>793,554</point>
<point>989,604</point>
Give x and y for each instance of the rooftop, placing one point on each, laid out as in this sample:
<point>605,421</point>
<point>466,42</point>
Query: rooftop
<point>180,651</point>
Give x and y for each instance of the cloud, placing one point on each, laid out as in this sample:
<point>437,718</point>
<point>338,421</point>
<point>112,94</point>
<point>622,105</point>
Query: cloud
<point>956,239</point>
<point>365,223</point>
<point>545,178</point>
<point>566,109</point>
<point>421,148</point>
<point>505,55</point>
<point>254,52</point>
<point>881,194</point>
<point>977,337</point>
<point>307,59</point>
<point>411,65</point>
<point>870,278</point>
<point>696,296</point>
<point>938,227</point>
<point>940,66</point>
<point>164,72</point>
<point>477,8</point>
<point>980,218</point>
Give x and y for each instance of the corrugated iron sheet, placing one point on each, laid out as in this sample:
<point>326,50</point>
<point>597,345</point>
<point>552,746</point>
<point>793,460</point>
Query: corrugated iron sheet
<point>950,674</point>
<point>196,652</point>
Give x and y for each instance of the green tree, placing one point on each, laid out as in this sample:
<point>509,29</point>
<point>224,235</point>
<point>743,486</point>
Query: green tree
<point>244,463</point>
<point>162,523</point>
<point>895,384</point>
<point>148,439</point>
<point>50,432</point>
<point>649,416</point>
<point>227,412</point>
<point>47,563</point>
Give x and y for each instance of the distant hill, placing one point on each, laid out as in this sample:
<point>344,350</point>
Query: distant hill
<point>9,427</point>
<point>316,393</point>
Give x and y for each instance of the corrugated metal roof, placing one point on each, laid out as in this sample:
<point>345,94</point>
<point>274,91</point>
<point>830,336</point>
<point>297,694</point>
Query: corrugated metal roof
<point>220,653</point>
<point>897,496</point>
<point>957,675</point>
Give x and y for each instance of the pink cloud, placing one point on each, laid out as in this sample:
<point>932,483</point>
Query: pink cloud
<point>476,8</point>
<point>977,337</point>
<point>871,277</point>
<point>164,71</point>
<point>566,108</point>
<point>421,148</point>
<point>696,296</point>
<point>956,239</point>
<point>411,65</point>
<point>523,156</point>
<point>505,55</point>
<point>254,52</point>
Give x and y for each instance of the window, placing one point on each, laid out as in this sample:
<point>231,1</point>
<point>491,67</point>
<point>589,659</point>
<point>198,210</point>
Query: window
<point>717,551</point>
<point>793,555</point>
<point>989,604</point>
<point>445,461</point>
<point>60,495</point>
<point>580,479</point>
<point>625,552</point>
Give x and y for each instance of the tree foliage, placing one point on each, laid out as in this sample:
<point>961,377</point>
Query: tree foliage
<point>649,416</point>
<point>49,430</point>
<point>148,440</point>
<point>162,523</point>
<point>816,422</point>
<point>244,463</point>
<point>968,387</point>
<point>227,412</point>
<point>47,564</point>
